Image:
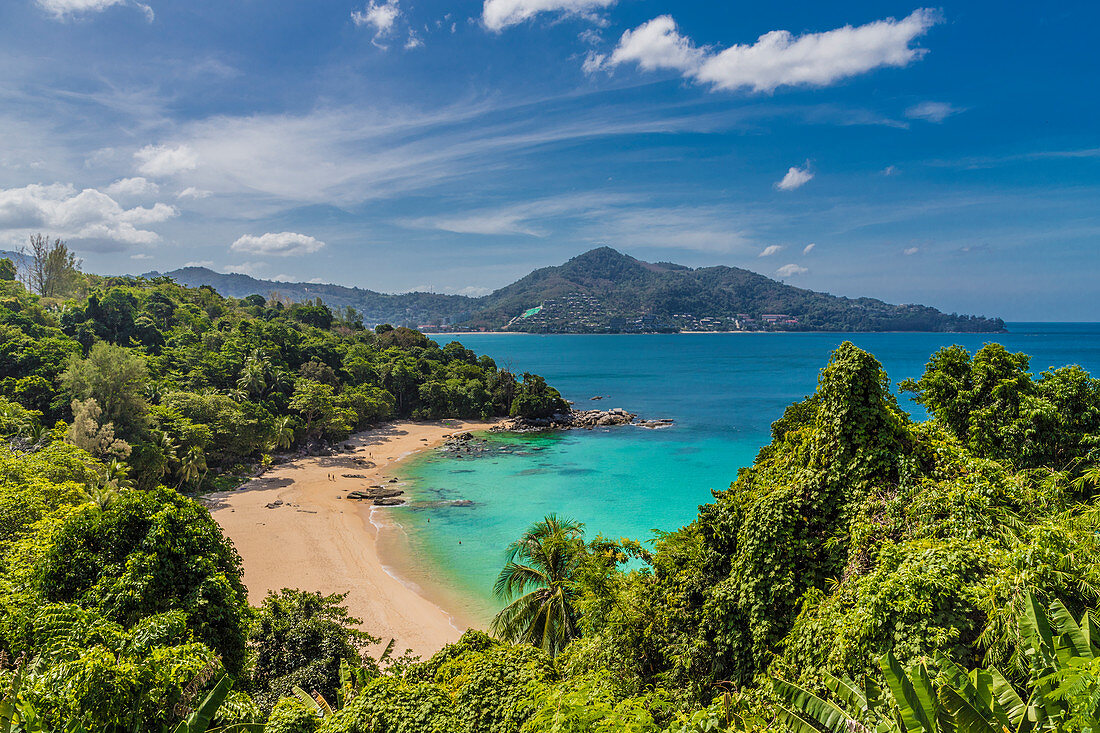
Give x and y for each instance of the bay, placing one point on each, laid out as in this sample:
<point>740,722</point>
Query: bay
<point>722,390</point>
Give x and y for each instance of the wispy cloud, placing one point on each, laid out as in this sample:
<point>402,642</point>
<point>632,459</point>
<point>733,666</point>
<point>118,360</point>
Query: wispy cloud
<point>530,218</point>
<point>770,250</point>
<point>65,9</point>
<point>709,229</point>
<point>778,58</point>
<point>245,268</point>
<point>808,248</point>
<point>346,156</point>
<point>164,160</point>
<point>932,111</point>
<point>496,15</point>
<point>991,161</point>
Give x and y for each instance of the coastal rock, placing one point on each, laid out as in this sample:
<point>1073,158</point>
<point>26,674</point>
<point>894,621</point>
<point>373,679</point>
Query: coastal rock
<point>389,502</point>
<point>577,419</point>
<point>375,493</point>
<point>664,422</point>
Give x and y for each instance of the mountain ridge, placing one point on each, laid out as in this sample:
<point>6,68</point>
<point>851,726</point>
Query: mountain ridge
<point>603,290</point>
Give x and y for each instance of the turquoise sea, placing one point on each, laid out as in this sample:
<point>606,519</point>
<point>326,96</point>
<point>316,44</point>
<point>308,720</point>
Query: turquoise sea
<point>723,391</point>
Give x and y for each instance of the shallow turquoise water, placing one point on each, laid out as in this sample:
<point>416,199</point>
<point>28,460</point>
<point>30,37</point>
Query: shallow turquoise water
<point>723,390</point>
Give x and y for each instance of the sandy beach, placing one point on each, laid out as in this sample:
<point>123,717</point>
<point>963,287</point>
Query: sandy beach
<point>318,540</point>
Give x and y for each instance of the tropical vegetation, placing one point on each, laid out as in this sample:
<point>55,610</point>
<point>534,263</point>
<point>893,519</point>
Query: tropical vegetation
<point>869,572</point>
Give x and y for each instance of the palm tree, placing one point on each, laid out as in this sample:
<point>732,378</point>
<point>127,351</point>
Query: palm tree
<point>284,432</point>
<point>167,446</point>
<point>193,466</point>
<point>537,580</point>
<point>253,379</point>
<point>102,495</point>
<point>116,475</point>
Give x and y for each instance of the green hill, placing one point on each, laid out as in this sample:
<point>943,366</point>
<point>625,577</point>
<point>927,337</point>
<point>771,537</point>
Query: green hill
<point>605,291</point>
<point>406,309</point>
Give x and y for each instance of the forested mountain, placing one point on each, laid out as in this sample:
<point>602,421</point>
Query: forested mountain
<point>406,309</point>
<point>619,292</point>
<point>605,291</point>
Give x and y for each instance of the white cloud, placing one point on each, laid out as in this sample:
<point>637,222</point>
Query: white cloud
<point>245,268</point>
<point>791,269</point>
<point>133,188</point>
<point>380,16</point>
<point>770,250</point>
<point>808,248</point>
<point>474,291</point>
<point>497,15</point>
<point>209,264</point>
<point>164,160</point>
<point>590,36</point>
<point>193,193</point>
<point>778,58</point>
<point>657,45</point>
<point>349,155</point>
<point>931,111</point>
<point>531,218</point>
<point>141,256</point>
<point>88,214</point>
<point>796,178</point>
<point>414,41</point>
<point>64,9</point>
<point>908,252</point>
<point>890,170</point>
<point>281,244</point>
<point>593,62</point>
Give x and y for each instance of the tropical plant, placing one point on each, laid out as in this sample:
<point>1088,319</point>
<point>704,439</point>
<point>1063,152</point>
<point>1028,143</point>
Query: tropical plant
<point>942,698</point>
<point>537,582</point>
<point>192,467</point>
<point>284,433</point>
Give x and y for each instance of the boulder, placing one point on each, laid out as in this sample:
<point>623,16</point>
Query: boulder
<point>389,502</point>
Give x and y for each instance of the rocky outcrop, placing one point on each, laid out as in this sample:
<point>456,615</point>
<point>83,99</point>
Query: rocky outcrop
<point>577,419</point>
<point>379,496</point>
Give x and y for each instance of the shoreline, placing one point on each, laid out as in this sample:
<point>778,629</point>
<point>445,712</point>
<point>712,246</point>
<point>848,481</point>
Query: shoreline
<point>294,529</point>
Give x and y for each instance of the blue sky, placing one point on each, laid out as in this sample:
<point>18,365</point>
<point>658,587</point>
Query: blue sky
<point>948,154</point>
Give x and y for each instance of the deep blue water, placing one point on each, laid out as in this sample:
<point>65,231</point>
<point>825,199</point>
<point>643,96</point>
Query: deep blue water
<point>723,391</point>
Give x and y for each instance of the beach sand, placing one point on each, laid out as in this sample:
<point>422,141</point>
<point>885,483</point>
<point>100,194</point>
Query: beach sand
<point>317,540</point>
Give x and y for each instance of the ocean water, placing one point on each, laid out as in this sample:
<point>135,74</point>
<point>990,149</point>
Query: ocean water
<point>723,391</point>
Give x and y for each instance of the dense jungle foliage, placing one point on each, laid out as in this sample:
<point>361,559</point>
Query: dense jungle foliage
<point>866,573</point>
<point>183,387</point>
